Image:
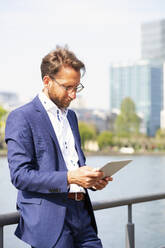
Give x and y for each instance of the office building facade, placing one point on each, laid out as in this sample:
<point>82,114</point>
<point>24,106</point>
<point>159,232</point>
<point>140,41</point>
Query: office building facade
<point>153,40</point>
<point>142,82</point>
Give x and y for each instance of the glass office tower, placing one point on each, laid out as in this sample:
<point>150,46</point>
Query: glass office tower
<point>153,40</point>
<point>142,82</point>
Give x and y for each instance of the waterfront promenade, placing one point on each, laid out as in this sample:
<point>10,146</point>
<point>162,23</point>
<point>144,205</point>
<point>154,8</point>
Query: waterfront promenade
<point>144,176</point>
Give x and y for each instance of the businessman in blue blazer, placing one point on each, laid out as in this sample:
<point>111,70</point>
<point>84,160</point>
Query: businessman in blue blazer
<point>47,165</point>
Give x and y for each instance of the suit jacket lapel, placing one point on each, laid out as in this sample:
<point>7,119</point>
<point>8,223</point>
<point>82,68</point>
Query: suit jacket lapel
<point>45,121</point>
<point>73,126</point>
<point>47,125</point>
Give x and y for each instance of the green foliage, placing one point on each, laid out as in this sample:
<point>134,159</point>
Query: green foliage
<point>105,139</point>
<point>87,132</point>
<point>160,134</point>
<point>3,114</point>
<point>127,122</point>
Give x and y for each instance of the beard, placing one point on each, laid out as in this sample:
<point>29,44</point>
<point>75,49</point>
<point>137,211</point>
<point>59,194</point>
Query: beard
<point>61,103</point>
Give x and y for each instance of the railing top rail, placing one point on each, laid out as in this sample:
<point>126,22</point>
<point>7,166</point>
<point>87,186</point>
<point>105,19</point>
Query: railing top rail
<point>9,218</point>
<point>13,218</point>
<point>127,201</point>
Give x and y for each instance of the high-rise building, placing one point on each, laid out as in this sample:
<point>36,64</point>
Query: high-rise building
<point>153,48</point>
<point>142,82</point>
<point>153,40</point>
<point>162,119</point>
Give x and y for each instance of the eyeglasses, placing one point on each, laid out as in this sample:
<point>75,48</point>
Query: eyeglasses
<point>77,89</point>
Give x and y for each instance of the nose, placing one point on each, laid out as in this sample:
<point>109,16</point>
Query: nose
<point>72,94</point>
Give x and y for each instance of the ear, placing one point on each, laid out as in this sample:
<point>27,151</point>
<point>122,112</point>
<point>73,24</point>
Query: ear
<point>46,81</point>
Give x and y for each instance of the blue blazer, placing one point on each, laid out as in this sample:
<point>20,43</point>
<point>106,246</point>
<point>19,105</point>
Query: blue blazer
<point>39,172</point>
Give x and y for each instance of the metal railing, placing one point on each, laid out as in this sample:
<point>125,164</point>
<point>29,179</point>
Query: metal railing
<point>13,218</point>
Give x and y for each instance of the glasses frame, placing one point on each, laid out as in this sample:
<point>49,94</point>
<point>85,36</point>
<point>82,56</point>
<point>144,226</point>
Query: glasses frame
<point>77,89</point>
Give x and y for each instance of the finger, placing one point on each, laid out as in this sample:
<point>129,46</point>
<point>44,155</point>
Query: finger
<point>101,184</point>
<point>96,169</point>
<point>108,178</point>
<point>96,186</point>
<point>93,172</point>
<point>91,183</point>
<point>96,174</point>
<point>87,168</point>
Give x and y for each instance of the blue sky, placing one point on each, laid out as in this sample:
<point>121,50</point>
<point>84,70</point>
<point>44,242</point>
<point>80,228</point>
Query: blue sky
<point>98,31</point>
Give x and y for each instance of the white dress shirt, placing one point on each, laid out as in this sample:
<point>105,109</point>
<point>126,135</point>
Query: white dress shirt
<point>64,135</point>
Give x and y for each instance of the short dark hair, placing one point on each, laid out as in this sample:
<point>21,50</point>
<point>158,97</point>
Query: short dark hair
<point>53,61</point>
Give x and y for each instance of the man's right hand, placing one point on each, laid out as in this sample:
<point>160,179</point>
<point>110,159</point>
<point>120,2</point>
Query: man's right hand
<point>84,176</point>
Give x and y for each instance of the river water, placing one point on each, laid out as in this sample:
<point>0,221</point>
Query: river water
<point>144,175</point>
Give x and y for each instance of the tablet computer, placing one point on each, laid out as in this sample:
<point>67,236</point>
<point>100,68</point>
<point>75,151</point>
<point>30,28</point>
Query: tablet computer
<point>112,167</point>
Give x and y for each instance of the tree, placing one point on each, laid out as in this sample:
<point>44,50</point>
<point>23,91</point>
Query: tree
<point>3,113</point>
<point>105,139</point>
<point>127,122</point>
<point>160,134</point>
<point>87,132</point>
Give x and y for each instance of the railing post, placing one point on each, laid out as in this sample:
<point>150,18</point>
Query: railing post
<point>1,236</point>
<point>130,240</point>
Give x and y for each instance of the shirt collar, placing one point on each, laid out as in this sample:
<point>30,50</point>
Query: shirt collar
<point>51,106</point>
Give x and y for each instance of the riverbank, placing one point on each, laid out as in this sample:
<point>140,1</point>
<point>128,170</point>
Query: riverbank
<point>113,153</point>
<point>3,153</point>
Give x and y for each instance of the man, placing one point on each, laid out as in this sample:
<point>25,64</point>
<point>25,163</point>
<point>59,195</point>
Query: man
<point>47,164</point>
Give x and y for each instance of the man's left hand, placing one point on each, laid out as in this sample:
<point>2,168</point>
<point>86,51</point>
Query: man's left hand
<point>102,183</point>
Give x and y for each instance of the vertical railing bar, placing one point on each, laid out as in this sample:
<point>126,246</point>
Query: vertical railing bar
<point>130,213</point>
<point>130,236</point>
<point>1,236</point>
